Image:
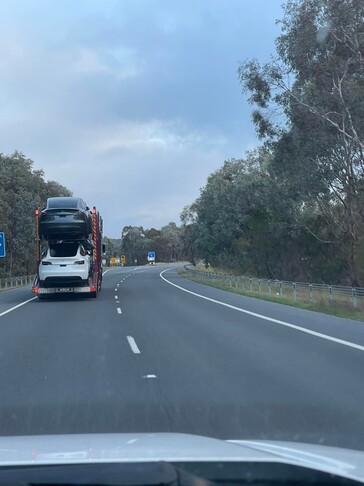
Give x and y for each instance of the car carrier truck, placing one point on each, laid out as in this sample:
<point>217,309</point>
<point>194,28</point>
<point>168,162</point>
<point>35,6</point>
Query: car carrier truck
<point>57,271</point>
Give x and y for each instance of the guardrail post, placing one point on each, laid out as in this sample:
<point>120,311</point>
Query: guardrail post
<point>353,297</point>
<point>280,288</point>
<point>250,282</point>
<point>269,287</point>
<point>310,292</point>
<point>259,289</point>
<point>294,290</point>
<point>330,294</point>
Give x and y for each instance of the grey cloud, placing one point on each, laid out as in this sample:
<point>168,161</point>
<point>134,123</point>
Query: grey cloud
<point>101,94</point>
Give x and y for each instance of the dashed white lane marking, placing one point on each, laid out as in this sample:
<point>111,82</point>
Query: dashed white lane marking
<point>133,344</point>
<point>117,285</point>
<point>17,306</point>
<point>150,376</point>
<point>116,297</point>
<point>117,301</point>
<point>118,310</point>
<point>116,290</point>
<point>131,441</point>
<point>266,318</point>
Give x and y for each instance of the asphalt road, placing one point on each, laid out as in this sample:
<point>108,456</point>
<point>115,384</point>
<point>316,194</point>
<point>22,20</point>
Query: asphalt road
<point>147,356</point>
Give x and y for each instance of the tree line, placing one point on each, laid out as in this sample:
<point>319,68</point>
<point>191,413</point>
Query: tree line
<point>293,208</point>
<point>167,242</point>
<point>22,189</point>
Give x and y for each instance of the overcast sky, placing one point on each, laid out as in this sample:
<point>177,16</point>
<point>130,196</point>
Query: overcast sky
<point>130,104</point>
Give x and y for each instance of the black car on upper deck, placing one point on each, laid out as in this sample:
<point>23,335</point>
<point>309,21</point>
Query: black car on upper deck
<point>65,218</point>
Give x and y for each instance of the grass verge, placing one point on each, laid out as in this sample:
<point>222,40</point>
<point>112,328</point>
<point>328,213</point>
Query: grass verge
<point>331,309</point>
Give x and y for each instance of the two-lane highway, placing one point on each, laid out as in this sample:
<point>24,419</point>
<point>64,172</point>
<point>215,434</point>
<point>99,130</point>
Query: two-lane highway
<point>156,352</point>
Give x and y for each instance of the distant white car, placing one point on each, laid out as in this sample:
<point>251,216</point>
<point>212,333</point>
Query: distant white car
<point>64,264</point>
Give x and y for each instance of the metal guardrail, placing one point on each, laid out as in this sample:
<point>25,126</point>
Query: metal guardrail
<point>296,291</point>
<point>13,282</point>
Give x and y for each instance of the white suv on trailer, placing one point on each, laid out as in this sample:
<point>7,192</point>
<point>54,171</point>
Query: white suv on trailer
<point>65,263</point>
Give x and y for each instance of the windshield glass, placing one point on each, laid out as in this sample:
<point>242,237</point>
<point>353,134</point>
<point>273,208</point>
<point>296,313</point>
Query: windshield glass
<point>219,288</point>
<point>62,203</point>
<point>63,250</point>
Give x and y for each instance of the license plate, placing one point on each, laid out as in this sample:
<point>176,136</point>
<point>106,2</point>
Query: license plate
<point>64,290</point>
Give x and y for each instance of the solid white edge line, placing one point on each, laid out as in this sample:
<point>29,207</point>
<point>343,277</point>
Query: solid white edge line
<point>17,306</point>
<point>118,310</point>
<point>133,344</point>
<point>266,318</point>
<point>103,273</point>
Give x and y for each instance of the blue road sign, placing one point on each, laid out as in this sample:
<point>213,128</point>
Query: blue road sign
<point>2,244</point>
<point>151,255</point>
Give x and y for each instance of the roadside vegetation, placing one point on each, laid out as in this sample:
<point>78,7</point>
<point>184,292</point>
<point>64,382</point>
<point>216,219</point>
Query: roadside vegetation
<point>293,208</point>
<point>22,189</point>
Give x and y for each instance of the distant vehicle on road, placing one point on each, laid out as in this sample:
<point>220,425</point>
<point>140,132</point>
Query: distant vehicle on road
<point>64,264</point>
<point>65,218</point>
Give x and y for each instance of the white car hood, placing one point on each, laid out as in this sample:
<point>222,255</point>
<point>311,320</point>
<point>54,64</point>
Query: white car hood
<point>130,448</point>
